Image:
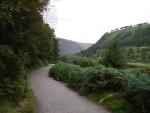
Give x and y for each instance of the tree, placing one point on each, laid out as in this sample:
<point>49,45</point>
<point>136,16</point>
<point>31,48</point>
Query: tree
<point>115,55</point>
<point>25,41</point>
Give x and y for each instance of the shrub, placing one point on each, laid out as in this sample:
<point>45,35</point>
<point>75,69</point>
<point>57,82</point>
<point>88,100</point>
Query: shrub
<point>71,74</point>
<point>81,61</point>
<point>59,71</point>
<point>75,78</point>
<point>12,84</point>
<point>114,78</point>
<point>99,79</point>
<point>138,91</point>
<point>87,62</point>
<point>9,64</point>
<point>90,79</point>
<point>93,79</point>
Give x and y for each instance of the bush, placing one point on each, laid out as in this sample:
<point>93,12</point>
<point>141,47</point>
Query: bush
<point>99,79</point>
<point>60,71</point>
<point>75,78</point>
<point>90,79</point>
<point>12,84</point>
<point>114,78</point>
<point>93,79</point>
<point>9,64</point>
<point>81,61</point>
<point>138,91</point>
<point>87,62</point>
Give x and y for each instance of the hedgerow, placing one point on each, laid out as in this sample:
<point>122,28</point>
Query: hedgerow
<point>98,79</point>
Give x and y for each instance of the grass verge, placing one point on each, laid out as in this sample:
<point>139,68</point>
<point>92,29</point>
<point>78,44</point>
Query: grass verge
<point>24,106</point>
<point>112,101</point>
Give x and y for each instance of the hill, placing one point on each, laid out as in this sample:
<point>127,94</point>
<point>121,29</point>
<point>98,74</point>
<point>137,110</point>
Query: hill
<point>67,47</point>
<point>135,36</point>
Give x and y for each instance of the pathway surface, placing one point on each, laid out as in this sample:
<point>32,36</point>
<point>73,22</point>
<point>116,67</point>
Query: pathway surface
<point>54,97</point>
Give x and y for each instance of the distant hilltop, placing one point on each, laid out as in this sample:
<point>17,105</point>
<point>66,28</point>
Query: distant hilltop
<point>68,47</point>
<point>134,35</point>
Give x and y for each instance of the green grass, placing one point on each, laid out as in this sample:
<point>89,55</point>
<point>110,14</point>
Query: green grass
<point>139,65</point>
<point>24,106</point>
<point>8,107</point>
<point>113,101</point>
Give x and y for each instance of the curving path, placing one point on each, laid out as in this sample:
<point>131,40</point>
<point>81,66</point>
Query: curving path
<point>54,97</point>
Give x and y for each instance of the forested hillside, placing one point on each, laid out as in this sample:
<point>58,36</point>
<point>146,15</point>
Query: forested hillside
<point>67,47</point>
<point>25,42</point>
<point>135,36</point>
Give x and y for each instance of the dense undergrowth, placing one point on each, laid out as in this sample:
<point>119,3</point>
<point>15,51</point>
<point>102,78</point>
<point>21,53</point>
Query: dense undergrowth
<point>118,90</point>
<point>24,106</point>
<point>82,61</point>
<point>17,96</point>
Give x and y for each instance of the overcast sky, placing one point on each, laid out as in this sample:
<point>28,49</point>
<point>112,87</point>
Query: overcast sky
<point>88,20</point>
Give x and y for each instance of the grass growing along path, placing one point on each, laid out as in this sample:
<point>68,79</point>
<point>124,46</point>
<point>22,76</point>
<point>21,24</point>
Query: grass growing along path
<point>24,106</point>
<point>113,101</point>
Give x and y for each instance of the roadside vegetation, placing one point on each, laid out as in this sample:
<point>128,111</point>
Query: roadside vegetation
<point>115,75</point>
<point>26,43</point>
<point>114,80</point>
<point>117,89</point>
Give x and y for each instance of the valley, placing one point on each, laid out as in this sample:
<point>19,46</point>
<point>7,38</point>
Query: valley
<point>42,73</point>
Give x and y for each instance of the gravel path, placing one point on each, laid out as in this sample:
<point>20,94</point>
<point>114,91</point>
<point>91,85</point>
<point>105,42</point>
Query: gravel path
<point>54,97</point>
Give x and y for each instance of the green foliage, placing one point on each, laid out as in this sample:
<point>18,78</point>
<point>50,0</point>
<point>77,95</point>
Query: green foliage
<point>139,65</point>
<point>69,73</point>
<point>61,71</point>
<point>138,91</point>
<point>81,61</point>
<point>8,60</point>
<point>90,79</point>
<point>114,78</point>
<point>24,106</point>
<point>93,80</point>
<point>129,36</point>
<point>113,101</point>
<point>131,88</point>
<point>25,41</point>
<point>114,56</point>
<point>23,29</point>
<point>12,85</point>
<point>75,78</point>
<point>87,62</point>
<point>118,104</point>
<point>138,54</point>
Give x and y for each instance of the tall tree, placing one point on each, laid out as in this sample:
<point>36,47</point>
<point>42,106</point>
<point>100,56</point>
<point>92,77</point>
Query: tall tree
<point>25,40</point>
<point>115,55</point>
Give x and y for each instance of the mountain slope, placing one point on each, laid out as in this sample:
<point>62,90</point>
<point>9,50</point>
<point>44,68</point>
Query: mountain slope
<point>138,35</point>
<point>67,47</point>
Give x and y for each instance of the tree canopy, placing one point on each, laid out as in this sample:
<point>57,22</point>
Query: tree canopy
<point>24,41</point>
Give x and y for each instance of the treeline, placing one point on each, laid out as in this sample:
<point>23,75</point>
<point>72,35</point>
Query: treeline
<point>133,54</point>
<point>111,57</point>
<point>25,41</point>
<point>137,36</point>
